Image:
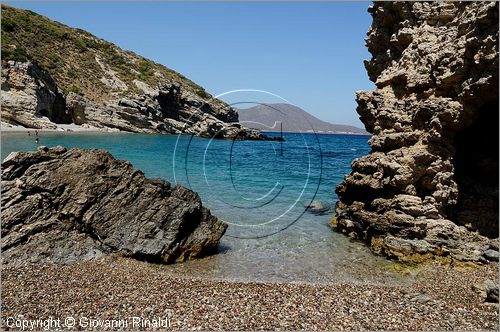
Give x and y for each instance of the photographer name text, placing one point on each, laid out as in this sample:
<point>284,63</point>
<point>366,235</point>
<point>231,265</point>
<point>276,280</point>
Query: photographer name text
<point>86,323</point>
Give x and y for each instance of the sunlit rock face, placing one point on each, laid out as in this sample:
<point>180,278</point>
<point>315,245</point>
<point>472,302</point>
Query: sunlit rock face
<point>430,185</point>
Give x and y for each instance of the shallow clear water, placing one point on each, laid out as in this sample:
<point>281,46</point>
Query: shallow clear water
<point>260,189</point>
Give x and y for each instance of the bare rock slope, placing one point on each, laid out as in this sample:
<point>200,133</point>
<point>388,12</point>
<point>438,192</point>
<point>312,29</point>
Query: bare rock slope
<point>430,185</point>
<point>64,206</point>
<point>53,74</point>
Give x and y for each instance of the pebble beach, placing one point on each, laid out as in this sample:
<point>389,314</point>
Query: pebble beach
<point>104,291</point>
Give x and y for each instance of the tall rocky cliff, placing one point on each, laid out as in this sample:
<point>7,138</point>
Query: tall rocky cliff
<point>53,74</point>
<point>430,184</point>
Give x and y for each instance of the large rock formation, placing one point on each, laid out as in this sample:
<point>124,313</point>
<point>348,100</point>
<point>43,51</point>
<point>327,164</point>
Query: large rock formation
<point>64,206</point>
<point>430,185</point>
<point>53,74</point>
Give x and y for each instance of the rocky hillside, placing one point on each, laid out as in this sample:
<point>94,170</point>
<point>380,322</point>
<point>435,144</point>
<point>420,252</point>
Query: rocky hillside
<point>65,206</point>
<point>53,74</point>
<point>293,118</point>
<point>430,185</point>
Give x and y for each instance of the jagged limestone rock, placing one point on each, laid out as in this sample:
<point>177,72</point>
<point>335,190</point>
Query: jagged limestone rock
<point>430,185</point>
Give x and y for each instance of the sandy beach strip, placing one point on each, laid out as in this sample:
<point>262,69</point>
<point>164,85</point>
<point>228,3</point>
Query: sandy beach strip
<point>9,129</point>
<point>441,298</point>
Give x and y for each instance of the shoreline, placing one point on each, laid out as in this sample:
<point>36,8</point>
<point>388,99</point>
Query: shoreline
<point>9,129</point>
<point>440,298</point>
<point>6,128</point>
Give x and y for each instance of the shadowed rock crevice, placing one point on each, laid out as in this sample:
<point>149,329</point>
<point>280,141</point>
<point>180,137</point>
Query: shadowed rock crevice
<point>476,173</point>
<point>30,97</point>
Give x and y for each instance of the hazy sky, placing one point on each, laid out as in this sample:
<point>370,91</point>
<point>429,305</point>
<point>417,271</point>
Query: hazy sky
<point>311,54</point>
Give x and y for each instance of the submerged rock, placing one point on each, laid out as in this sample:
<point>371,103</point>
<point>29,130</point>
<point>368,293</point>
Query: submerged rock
<point>317,207</point>
<point>430,185</point>
<point>65,206</point>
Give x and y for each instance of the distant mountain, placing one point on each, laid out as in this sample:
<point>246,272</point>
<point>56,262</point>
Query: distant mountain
<point>294,119</point>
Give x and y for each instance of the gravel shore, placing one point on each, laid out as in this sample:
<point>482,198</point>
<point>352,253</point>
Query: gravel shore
<point>440,298</point>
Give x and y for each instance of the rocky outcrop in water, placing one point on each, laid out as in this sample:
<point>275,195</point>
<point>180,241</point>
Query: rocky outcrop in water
<point>64,206</point>
<point>53,74</point>
<point>430,185</point>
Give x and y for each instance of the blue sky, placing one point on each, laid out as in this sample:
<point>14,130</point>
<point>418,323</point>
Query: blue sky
<point>311,54</point>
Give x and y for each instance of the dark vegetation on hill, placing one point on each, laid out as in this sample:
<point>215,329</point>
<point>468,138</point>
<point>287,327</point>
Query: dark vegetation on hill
<point>69,55</point>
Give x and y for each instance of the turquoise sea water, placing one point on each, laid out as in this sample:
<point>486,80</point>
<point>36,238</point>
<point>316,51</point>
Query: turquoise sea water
<point>260,189</point>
